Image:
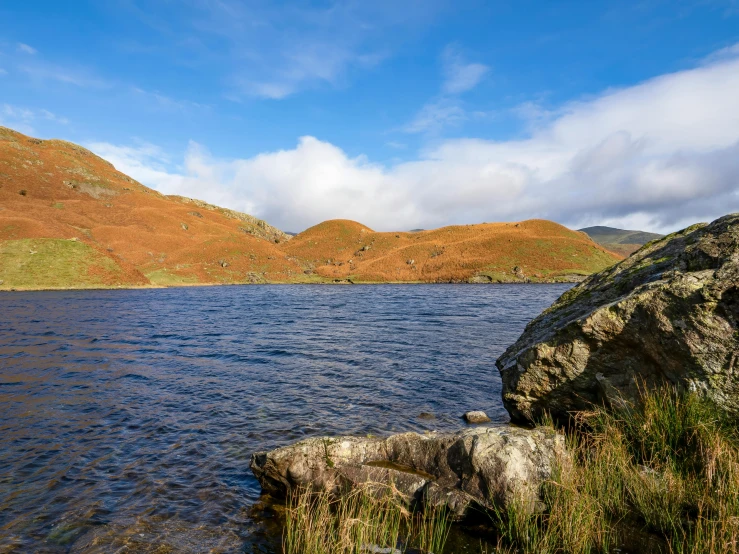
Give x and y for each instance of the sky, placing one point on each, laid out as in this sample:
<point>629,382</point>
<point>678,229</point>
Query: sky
<point>399,114</point>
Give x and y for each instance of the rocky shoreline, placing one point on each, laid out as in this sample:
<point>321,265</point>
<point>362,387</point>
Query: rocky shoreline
<point>668,315</point>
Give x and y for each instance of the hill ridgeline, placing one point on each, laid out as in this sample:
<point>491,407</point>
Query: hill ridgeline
<point>69,219</point>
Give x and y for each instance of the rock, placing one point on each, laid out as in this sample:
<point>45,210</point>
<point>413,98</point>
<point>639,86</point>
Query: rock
<point>484,467</point>
<point>422,415</point>
<point>184,226</point>
<point>476,417</point>
<point>669,313</point>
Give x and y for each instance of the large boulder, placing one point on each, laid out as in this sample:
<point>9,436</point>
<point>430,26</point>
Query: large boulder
<point>485,467</point>
<point>669,313</point>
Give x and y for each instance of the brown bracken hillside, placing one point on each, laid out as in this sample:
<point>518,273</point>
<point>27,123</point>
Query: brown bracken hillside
<point>534,250</point>
<point>69,219</point>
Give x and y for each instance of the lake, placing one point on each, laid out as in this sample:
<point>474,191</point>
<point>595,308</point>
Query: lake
<point>128,417</point>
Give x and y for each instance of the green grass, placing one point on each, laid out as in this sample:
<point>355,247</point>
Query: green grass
<point>51,263</point>
<point>659,475</point>
<point>664,469</point>
<point>367,519</point>
<point>165,277</point>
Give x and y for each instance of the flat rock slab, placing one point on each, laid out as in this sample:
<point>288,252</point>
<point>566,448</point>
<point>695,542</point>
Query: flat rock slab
<point>484,466</point>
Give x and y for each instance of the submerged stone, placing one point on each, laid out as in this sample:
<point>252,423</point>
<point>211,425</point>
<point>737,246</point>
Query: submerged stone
<point>476,416</point>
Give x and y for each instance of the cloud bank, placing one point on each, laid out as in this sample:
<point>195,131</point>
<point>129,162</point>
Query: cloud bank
<point>658,156</point>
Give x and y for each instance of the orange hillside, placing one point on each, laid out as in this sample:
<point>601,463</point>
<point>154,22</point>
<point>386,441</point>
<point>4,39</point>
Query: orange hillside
<point>535,250</point>
<point>69,219</point>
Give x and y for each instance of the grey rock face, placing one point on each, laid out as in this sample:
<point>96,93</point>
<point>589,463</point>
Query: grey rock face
<point>488,466</point>
<point>476,417</point>
<point>669,313</point>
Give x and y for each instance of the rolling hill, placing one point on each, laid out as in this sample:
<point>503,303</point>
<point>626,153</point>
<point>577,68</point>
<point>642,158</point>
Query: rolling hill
<point>69,219</point>
<point>621,241</point>
<point>534,250</point>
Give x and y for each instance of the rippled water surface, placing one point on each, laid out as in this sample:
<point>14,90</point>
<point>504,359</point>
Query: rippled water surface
<point>127,418</point>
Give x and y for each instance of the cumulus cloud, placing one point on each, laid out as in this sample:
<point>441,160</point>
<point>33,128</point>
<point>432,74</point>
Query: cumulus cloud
<point>658,155</point>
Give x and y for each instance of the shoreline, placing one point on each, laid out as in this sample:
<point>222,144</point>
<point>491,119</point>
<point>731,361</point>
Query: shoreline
<point>278,283</point>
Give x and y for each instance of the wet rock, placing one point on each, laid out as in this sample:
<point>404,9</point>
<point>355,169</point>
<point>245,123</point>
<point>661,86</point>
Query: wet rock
<point>669,313</point>
<point>422,415</point>
<point>476,416</point>
<point>484,467</point>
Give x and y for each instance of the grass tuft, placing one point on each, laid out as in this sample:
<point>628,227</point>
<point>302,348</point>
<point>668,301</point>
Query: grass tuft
<point>660,474</point>
<point>369,519</point>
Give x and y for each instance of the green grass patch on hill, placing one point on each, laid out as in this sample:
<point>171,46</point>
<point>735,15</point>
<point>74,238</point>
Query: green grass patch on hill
<point>52,263</point>
<point>165,277</point>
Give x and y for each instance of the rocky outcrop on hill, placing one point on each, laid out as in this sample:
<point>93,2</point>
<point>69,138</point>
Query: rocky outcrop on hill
<point>487,466</point>
<point>669,313</point>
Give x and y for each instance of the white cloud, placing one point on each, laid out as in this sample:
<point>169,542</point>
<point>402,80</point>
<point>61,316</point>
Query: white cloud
<point>459,75</point>
<point>271,51</point>
<point>22,119</point>
<point>166,102</point>
<point>446,110</point>
<point>79,77</point>
<point>26,49</point>
<point>658,155</point>
<point>3,71</point>
<point>436,115</point>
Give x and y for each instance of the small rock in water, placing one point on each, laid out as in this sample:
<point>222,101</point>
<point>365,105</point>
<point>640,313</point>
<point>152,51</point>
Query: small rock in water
<point>476,417</point>
<point>426,415</point>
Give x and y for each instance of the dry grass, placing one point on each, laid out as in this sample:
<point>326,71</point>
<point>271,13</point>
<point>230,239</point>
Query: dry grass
<point>369,519</point>
<point>665,470</point>
<point>660,475</point>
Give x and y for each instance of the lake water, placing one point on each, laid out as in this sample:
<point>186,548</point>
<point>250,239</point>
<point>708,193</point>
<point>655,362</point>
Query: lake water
<point>128,418</point>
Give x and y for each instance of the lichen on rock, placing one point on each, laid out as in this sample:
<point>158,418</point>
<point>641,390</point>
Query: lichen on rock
<point>669,313</point>
<point>485,467</point>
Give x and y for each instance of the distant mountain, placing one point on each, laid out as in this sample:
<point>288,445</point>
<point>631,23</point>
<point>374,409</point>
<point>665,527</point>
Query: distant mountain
<point>621,241</point>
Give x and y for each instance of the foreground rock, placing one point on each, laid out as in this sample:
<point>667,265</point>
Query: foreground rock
<point>486,467</point>
<point>669,313</point>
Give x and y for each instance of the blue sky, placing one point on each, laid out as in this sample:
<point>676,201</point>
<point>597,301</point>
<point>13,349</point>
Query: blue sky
<point>399,114</point>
